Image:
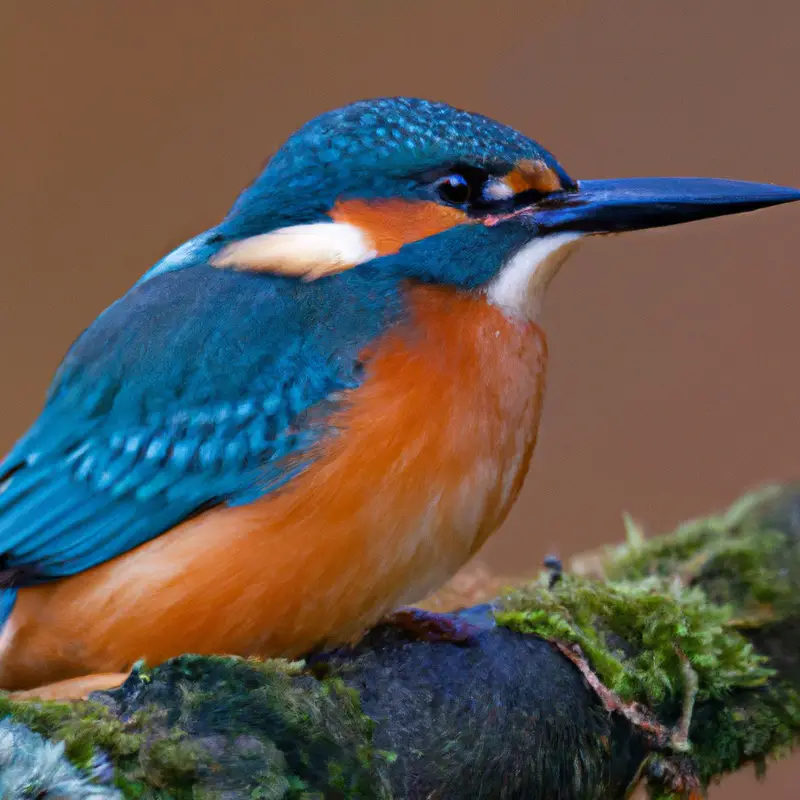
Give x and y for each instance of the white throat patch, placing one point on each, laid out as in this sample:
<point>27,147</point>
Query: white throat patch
<point>520,285</point>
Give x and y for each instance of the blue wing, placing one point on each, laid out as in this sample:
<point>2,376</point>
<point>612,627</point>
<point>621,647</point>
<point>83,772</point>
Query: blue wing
<point>191,391</point>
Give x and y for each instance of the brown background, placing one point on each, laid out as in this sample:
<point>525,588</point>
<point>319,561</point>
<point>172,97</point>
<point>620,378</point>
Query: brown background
<point>127,127</point>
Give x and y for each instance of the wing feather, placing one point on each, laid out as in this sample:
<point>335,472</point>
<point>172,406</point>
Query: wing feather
<point>191,391</point>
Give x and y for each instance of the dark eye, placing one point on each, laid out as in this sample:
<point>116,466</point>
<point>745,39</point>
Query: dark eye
<point>454,189</point>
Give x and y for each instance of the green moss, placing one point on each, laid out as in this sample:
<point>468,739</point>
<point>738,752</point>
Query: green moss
<point>83,727</point>
<point>749,727</point>
<point>206,727</point>
<point>146,758</point>
<point>258,729</point>
<point>668,554</point>
<point>633,635</point>
<point>704,591</point>
<point>741,557</point>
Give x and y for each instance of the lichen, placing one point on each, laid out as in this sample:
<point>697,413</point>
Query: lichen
<point>31,766</point>
<point>144,755</point>
<point>205,726</point>
<point>84,728</point>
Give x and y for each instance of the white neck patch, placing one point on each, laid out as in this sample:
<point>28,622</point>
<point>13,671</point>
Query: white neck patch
<point>520,285</point>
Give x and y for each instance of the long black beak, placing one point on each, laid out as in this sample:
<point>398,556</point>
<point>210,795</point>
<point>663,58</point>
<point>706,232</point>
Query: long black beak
<point>629,204</point>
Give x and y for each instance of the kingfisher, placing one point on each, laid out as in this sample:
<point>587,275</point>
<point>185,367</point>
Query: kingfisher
<point>313,413</point>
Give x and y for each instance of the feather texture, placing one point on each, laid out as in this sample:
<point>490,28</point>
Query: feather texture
<point>200,387</point>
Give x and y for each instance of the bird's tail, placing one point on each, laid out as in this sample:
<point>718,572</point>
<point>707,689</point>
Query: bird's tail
<point>7,599</point>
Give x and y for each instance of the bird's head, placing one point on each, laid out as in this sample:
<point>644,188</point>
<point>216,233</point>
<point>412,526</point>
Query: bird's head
<point>439,195</point>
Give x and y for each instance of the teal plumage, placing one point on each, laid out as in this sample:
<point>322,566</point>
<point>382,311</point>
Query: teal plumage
<point>187,393</point>
<point>208,385</point>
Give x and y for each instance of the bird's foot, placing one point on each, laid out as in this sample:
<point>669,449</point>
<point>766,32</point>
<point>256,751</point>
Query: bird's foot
<point>428,626</point>
<point>74,688</point>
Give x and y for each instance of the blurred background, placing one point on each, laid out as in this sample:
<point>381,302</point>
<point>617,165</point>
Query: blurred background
<point>129,127</point>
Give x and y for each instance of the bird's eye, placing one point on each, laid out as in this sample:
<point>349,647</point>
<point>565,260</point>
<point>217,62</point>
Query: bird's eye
<point>454,189</point>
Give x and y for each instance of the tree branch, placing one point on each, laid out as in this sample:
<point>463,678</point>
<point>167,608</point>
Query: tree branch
<point>667,661</point>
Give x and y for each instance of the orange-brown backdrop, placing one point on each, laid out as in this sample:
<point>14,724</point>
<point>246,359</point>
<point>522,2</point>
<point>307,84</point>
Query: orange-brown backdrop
<point>127,127</point>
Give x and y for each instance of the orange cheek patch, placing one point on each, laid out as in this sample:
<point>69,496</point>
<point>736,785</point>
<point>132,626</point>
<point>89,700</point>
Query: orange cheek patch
<point>389,224</point>
<point>532,174</point>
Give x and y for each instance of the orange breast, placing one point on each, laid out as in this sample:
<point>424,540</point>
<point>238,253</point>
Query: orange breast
<point>430,455</point>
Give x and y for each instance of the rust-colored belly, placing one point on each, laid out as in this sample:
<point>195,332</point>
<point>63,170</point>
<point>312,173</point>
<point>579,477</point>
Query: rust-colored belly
<point>433,451</point>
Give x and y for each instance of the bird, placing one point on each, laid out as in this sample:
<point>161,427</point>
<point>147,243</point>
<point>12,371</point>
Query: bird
<point>314,413</point>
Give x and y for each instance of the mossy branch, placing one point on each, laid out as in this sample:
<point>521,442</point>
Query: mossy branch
<point>667,661</point>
